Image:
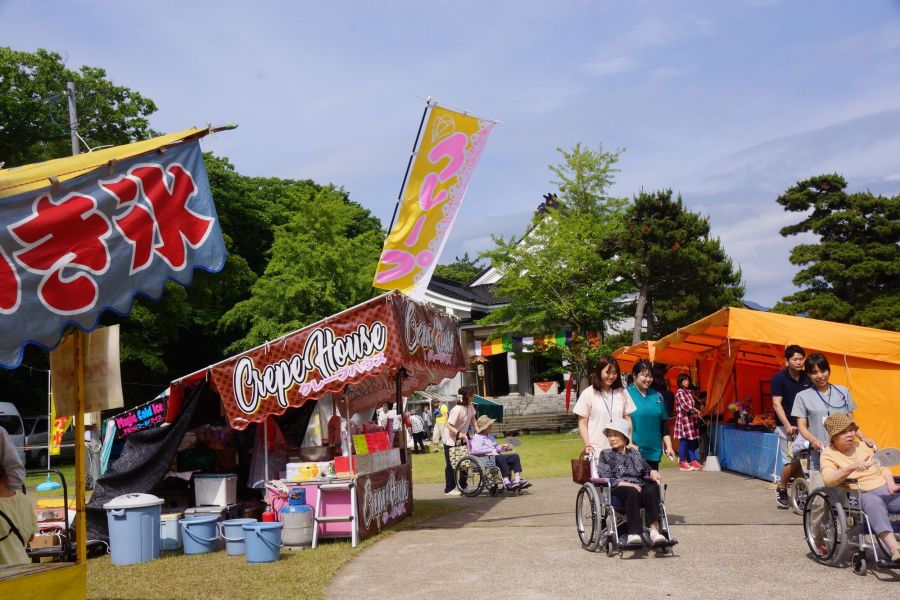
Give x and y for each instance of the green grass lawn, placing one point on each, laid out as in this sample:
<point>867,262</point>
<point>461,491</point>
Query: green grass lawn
<point>301,573</point>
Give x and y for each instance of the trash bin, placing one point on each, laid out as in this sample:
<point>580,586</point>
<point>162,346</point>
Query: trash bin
<point>134,528</point>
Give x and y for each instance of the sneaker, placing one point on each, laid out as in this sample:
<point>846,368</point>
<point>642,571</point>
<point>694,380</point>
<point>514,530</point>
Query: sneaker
<point>453,492</point>
<point>697,466</point>
<point>524,485</point>
<point>781,497</point>
<point>656,538</point>
<point>633,540</point>
<point>685,466</point>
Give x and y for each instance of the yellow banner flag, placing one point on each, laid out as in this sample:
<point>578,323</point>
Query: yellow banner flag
<point>58,427</point>
<point>449,150</point>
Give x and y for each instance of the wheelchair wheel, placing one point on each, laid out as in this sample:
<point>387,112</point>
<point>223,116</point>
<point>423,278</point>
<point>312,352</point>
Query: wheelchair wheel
<point>798,493</point>
<point>470,477</point>
<point>825,527</point>
<point>587,517</point>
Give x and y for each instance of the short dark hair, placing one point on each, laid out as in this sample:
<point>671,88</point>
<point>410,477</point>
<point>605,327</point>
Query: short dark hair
<point>466,392</point>
<point>814,361</point>
<point>682,378</point>
<point>792,350</point>
<point>605,361</point>
<point>641,366</point>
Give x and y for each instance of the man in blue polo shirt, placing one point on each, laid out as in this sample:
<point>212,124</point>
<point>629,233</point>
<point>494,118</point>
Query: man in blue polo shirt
<point>786,384</point>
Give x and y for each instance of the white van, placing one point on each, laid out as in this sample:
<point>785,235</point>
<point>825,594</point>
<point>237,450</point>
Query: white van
<point>11,421</point>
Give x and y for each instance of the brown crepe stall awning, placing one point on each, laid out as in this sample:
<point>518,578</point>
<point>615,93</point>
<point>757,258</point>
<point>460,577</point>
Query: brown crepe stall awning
<point>363,347</point>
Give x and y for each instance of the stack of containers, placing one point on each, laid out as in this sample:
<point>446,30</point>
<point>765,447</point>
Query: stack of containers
<point>215,495</point>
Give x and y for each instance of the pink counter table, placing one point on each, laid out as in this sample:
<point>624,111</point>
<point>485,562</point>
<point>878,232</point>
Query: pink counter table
<point>381,499</point>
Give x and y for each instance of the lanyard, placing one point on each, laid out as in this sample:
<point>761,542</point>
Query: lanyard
<point>829,405</point>
<point>608,407</point>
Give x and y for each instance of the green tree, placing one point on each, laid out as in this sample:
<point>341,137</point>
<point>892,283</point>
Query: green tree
<point>34,118</point>
<point>678,271</point>
<point>852,275</point>
<point>322,261</point>
<point>561,273</point>
<point>463,269</point>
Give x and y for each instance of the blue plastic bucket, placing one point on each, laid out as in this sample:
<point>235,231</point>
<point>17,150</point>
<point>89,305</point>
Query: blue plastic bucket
<point>233,534</point>
<point>263,541</point>
<point>199,534</point>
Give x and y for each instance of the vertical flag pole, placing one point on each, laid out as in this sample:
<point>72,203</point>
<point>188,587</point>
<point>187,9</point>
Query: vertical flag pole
<point>79,342</point>
<point>412,155</point>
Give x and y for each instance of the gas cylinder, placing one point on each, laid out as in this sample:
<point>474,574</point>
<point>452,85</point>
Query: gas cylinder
<point>297,517</point>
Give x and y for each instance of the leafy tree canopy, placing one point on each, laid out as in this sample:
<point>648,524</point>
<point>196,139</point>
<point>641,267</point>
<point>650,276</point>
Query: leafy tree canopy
<point>323,260</point>
<point>852,275</point>
<point>34,118</point>
<point>680,274</point>
<point>560,274</point>
<point>463,269</point>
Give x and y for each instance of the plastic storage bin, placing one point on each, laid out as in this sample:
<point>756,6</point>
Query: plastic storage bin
<point>215,489</point>
<point>134,528</point>
<point>169,531</point>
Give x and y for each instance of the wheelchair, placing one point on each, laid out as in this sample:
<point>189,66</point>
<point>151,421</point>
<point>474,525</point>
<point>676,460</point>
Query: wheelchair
<point>843,529</point>
<point>475,474</point>
<point>798,489</point>
<point>601,523</point>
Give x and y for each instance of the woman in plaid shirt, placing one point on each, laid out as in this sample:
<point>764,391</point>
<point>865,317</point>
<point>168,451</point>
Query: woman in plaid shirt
<point>686,428</point>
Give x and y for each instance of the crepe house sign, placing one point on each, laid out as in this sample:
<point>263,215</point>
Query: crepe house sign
<point>364,347</point>
<point>384,498</point>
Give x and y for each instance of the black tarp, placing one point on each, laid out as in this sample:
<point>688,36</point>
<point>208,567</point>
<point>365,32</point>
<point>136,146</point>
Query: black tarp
<point>144,461</point>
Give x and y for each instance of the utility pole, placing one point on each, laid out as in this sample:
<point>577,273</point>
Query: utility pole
<point>73,117</point>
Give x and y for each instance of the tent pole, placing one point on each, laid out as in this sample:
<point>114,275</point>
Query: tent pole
<point>398,406</point>
<point>266,449</point>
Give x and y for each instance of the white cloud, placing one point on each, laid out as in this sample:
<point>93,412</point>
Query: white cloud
<point>612,65</point>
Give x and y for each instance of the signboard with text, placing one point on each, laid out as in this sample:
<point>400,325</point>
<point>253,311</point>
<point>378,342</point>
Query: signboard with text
<point>383,498</point>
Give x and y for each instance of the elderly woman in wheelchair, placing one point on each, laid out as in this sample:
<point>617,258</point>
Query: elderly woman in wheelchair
<point>858,500</point>
<point>489,464</point>
<point>627,483</point>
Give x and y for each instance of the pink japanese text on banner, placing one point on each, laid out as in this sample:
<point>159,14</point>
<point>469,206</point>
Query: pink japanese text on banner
<point>58,427</point>
<point>448,153</point>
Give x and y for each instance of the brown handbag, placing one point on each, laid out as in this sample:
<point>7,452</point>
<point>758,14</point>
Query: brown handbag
<point>581,468</point>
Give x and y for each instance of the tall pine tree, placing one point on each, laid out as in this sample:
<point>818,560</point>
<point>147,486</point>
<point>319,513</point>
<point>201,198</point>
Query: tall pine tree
<point>852,275</point>
<point>679,273</point>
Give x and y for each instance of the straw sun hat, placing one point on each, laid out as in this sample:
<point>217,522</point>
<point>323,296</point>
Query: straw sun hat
<point>837,423</point>
<point>483,423</point>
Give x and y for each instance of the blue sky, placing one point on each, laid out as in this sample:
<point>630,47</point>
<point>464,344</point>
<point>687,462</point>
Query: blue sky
<point>728,103</point>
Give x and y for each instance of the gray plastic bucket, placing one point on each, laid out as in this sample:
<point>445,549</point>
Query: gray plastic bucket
<point>233,534</point>
<point>199,534</point>
<point>263,541</point>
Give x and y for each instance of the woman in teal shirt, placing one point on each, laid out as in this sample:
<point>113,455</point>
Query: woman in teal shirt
<point>651,433</point>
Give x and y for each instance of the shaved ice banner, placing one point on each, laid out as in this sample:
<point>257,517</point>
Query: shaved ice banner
<point>449,150</point>
<point>74,249</point>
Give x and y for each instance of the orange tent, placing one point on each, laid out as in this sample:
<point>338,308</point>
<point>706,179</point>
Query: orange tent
<point>733,353</point>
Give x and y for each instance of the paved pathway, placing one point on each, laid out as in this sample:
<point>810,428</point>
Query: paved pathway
<point>734,543</point>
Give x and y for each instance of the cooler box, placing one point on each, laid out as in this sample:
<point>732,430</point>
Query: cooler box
<point>232,511</point>
<point>215,489</point>
<point>169,530</point>
<point>134,528</point>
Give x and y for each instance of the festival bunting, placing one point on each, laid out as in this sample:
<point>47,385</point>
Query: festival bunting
<point>451,144</point>
<point>76,247</point>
